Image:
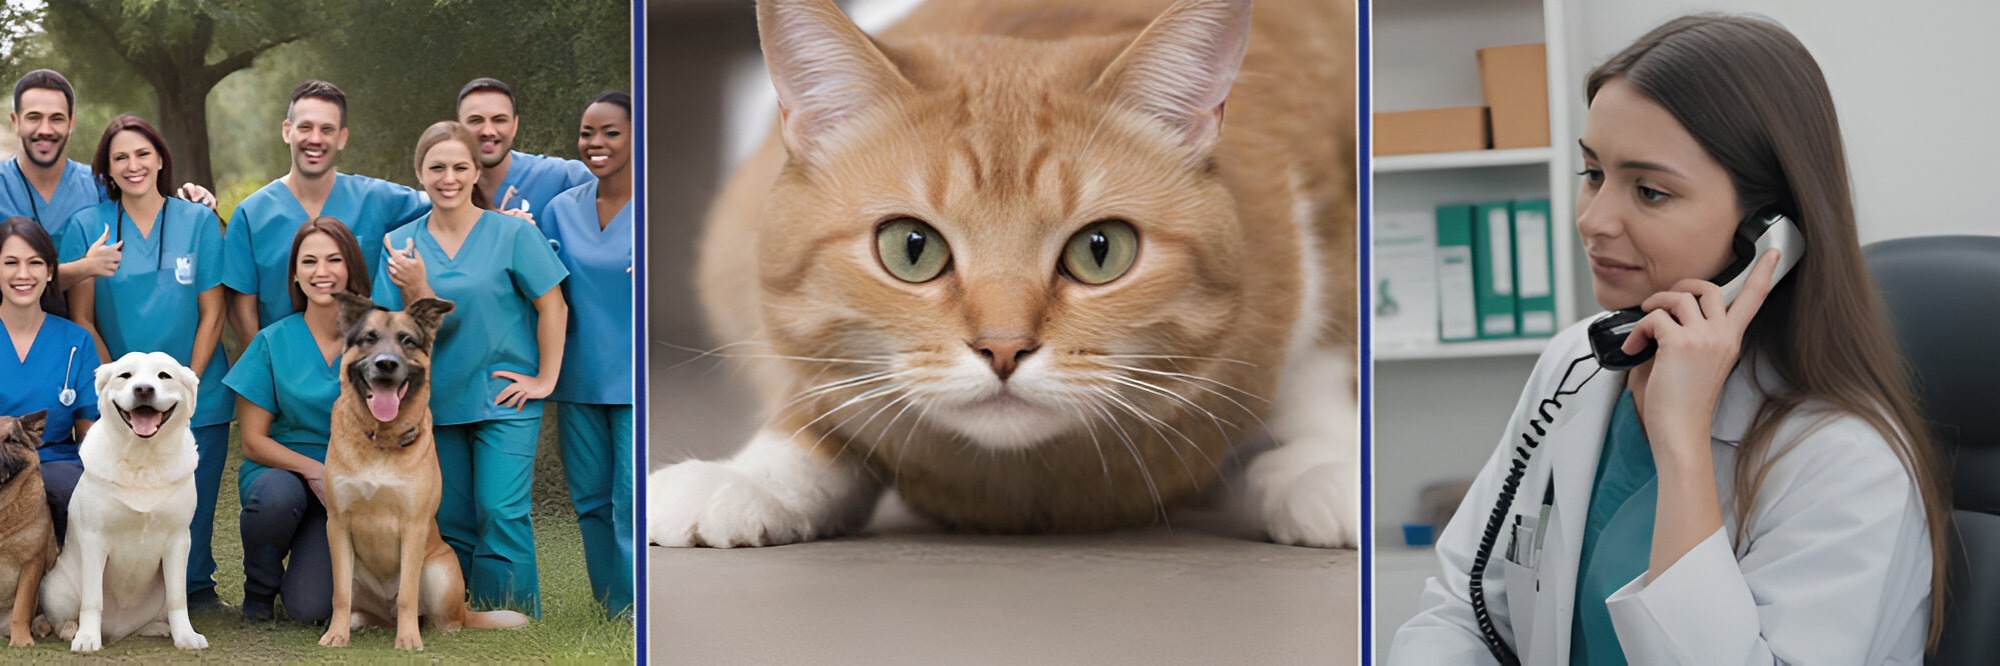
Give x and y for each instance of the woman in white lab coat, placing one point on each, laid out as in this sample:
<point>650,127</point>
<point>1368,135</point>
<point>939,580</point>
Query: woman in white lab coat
<point>1761,490</point>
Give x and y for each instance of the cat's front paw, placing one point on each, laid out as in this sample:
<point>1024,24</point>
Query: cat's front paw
<point>700,503</point>
<point>1318,506</point>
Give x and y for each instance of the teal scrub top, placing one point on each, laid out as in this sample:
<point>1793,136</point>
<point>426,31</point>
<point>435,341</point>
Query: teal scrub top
<point>258,244</point>
<point>1617,535</point>
<point>492,284</point>
<point>537,179</point>
<point>282,372</point>
<point>62,356</point>
<point>597,354</point>
<point>77,190</point>
<point>152,303</point>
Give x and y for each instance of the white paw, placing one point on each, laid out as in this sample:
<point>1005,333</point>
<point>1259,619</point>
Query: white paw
<point>1318,506</point>
<point>700,503</point>
<point>86,642</point>
<point>191,641</point>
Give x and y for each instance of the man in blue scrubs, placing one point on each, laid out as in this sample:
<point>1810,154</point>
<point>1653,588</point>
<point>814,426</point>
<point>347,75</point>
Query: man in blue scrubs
<point>513,180</point>
<point>48,187</point>
<point>258,242</point>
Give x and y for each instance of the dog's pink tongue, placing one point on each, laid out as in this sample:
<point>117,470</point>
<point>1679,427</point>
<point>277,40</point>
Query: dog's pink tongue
<point>148,424</point>
<point>386,406</point>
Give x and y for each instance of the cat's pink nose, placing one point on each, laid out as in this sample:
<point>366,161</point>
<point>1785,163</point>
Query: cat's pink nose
<point>1005,354</point>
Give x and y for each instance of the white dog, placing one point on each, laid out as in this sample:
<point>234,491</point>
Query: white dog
<point>124,568</point>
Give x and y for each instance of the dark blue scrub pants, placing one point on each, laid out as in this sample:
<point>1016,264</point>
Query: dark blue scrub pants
<point>281,516</point>
<point>212,442</point>
<point>58,483</point>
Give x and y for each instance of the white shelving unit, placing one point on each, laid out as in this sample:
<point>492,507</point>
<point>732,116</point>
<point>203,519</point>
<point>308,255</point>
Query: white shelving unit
<point>1461,160</point>
<point>1426,56</point>
<point>1439,408</point>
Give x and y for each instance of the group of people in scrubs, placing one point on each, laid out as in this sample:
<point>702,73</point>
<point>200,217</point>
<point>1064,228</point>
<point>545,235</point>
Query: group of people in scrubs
<point>535,251</point>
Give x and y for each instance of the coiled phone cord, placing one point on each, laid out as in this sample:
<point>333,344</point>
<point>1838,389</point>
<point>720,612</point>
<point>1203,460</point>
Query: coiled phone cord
<point>1498,519</point>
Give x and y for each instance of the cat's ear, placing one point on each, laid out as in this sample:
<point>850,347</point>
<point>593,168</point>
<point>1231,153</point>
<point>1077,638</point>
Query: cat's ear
<point>827,72</point>
<point>1180,69</point>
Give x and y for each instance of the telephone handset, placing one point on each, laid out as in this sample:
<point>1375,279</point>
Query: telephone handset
<point>1758,233</point>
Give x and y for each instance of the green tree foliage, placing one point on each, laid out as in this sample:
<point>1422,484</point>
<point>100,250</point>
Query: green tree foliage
<point>217,73</point>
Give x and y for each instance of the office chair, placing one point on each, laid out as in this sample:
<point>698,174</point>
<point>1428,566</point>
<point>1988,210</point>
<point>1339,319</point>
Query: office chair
<point>1943,298</point>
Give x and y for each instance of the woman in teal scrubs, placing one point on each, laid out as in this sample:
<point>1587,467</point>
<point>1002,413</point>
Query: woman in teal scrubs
<point>590,227</point>
<point>166,296</point>
<point>285,383</point>
<point>51,362</point>
<point>496,357</point>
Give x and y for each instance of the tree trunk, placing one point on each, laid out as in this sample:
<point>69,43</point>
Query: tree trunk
<point>184,122</point>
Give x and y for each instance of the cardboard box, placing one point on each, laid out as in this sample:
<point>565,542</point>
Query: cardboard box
<point>1516,83</point>
<point>1443,130</point>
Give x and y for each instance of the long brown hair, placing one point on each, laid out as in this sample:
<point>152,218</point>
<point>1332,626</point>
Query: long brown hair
<point>1755,100</point>
<point>448,130</point>
<point>358,282</point>
<point>38,240</point>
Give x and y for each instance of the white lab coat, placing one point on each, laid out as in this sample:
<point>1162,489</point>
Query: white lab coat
<point>1837,569</point>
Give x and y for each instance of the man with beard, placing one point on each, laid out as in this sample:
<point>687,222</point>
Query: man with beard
<point>48,187</point>
<point>258,242</point>
<point>514,181</point>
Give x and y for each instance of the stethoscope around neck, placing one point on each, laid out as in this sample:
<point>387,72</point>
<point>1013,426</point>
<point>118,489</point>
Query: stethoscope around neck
<point>159,233</point>
<point>68,395</point>
<point>34,206</point>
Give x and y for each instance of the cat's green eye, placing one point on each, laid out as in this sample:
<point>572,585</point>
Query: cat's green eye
<point>1101,252</point>
<point>911,250</point>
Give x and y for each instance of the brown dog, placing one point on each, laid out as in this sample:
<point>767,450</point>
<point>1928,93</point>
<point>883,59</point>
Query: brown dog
<point>383,486</point>
<point>27,536</point>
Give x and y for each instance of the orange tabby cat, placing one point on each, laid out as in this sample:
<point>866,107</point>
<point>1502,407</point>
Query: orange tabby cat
<point>1010,258</point>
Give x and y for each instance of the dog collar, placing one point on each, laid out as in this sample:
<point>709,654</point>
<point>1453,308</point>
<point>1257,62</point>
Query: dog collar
<point>409,437</point>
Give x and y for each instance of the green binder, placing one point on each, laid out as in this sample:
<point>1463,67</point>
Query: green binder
<point>1493,274</point>
<point>1534,272</point>
<point>1458,313</point>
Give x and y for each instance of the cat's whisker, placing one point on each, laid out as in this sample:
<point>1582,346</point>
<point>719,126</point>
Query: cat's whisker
<point>861,431</point>
<point>1145,474</point>
<point>868,395</point>
<point>1156,423</point>
<point>1143,386</point>
<point>1190,378</point>
<point>850,382</point>
<point>1218,394</point>
<point>1092,429</point>
<point>1175,357</point>
<point>890,427</point>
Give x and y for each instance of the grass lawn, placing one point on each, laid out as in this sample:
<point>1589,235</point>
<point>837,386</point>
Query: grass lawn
<point>572,628</point>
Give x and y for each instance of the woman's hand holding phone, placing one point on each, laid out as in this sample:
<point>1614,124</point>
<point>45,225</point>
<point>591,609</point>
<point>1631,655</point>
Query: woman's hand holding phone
<point>1700,338</point>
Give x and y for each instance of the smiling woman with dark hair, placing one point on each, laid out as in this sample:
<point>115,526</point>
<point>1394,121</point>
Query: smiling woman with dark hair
<point>164,296</point>
<point>590,227</point>
<point>284,382</point>
<point>50,361</point>
<point>1760,490</point>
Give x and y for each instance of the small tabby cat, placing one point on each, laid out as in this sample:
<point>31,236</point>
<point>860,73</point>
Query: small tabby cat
<point>1009,259</point>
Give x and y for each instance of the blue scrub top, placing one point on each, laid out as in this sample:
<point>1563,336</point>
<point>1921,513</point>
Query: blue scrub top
<point>492,283</point>
<point>77,191</point>
<point>62,355</point>
<point>1617,534</point>
<point>152,303</point>
<point>258,244</point>
<point>282,372</point>
<point>597,354</point>
<point>537,179</point>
